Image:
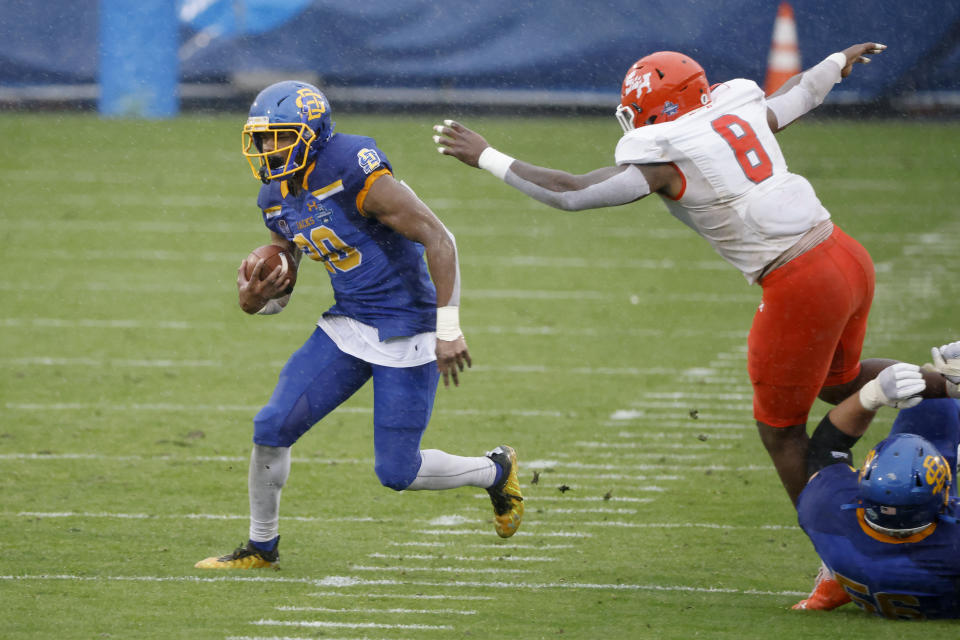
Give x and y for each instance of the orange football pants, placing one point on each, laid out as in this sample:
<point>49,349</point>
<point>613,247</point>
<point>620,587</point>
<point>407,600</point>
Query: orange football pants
<point>808,331</point>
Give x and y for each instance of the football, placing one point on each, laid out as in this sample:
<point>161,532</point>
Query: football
<point>274,256</point>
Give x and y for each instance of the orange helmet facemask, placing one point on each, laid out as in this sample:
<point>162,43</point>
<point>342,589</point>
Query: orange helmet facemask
<point>661,87</point>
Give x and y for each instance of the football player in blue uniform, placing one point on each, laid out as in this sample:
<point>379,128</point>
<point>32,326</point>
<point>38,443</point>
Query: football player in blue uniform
<point>888,534</point>
<point>393,266</point>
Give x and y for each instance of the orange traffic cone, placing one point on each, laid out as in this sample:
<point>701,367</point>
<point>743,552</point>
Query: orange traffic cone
<point>784,60</point>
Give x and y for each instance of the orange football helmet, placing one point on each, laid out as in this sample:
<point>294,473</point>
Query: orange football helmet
<point>661,87</point>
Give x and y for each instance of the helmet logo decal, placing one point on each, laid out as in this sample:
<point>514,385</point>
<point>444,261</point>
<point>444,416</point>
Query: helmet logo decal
<point>670,108</point>
<point>311,101</point>
<point>368,160</point>
<point>936,473</point>
<point>866,463</point>
<point>637,81</point>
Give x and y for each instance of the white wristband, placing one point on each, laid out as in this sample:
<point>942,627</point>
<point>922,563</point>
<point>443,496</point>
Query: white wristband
<point>448,323</point>
<point>839,58</point>
<point>495,162</point>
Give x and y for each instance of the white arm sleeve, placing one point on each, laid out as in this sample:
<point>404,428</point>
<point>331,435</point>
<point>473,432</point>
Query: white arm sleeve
<point>621,188</point>
<point>815,83</point>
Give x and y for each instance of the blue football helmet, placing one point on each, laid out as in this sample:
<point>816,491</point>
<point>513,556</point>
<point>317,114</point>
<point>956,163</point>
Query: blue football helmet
<point>296,116</point>
<point>904,485</point>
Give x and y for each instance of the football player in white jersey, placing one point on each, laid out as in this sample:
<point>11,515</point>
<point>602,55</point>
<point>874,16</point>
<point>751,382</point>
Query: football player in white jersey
<point>711,155</point>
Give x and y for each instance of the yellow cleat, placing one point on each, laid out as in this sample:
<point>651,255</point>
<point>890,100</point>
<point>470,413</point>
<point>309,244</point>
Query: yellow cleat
<point>505,495</point>
<point>248,557</point>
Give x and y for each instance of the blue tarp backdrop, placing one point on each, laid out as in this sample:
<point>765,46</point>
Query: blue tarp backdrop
<point>580,45</point>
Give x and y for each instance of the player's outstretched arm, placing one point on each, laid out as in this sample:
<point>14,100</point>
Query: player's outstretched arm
<point>805,91</point>
<point>604,187</point>
<point>898,385</point>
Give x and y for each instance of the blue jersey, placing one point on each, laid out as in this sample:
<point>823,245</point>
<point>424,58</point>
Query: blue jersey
<point>379,277</point>
<point>911,578</point>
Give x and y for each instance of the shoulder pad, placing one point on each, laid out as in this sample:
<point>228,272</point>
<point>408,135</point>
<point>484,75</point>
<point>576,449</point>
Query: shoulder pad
<point>640,146</point>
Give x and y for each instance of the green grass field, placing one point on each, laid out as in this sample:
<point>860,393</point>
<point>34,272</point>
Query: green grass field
<point>609,348</point>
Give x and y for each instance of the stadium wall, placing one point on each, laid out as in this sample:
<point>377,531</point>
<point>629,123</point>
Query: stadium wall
<point>562,54</point>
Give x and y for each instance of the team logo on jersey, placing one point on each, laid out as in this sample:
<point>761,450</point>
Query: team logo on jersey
<point>312,102</point>
<point>670,109</point>
<point>317,208</point>
<point>637,81</point>
<point>368,160</point>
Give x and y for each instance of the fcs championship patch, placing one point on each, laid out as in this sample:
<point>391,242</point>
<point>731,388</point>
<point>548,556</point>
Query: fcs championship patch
<point>368,160</point>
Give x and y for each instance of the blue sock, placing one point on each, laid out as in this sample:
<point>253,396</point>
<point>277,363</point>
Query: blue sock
<point>269,545</point>
<point>496,480</point>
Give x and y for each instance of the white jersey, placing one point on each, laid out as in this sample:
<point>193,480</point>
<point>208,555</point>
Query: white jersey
<point>738,193</point>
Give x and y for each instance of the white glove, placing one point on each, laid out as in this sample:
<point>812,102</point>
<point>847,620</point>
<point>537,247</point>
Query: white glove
<point>897,386</point>
<point>946,360</point>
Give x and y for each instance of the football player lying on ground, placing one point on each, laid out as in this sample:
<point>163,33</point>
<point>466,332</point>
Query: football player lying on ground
<point>888,534</point>
<point>333,197</point>
<point>711,156</point>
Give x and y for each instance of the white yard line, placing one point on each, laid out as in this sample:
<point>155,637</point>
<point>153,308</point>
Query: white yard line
<point>668,467</point>
<point>182,516</point>
<point>461,612</point>
<point>690,445</point>
<point>682,395</point>
<point>405,568</point>
<point>350,581</point>
<point>537,464</point>
<point>593,444</point>
<point>563,475</point>
<point>657,438</point>
<point>486,533</point>
<point>536,524</point>
<point>301,638</point>
<point>530,331</point>
<point>687,525</point>
<point>691,424</point>
<point>49,361</point>
<point>351,625</point>
<point>331,581</point>
<point>425,556</point>
<point>597,510</point>
<point>399,596</point>
<point>165,363</point>
<point>628,414</point>
<point>612,499</point>
<point>610,587</point>
<point>219,408</point>
<point>511,546</point>
<point>543,295</point>
<point>305,638</point>
<point>592,263</point>
<point>178,459</point>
